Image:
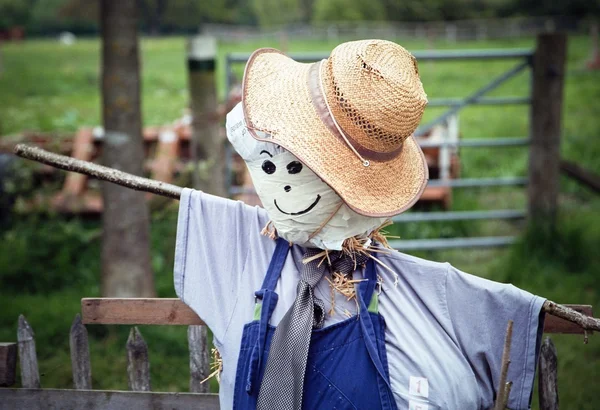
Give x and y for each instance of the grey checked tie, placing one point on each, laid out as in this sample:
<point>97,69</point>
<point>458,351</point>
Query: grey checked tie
<point>283,382</point>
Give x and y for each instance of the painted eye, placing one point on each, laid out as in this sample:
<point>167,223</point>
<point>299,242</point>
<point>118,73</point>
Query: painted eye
<point>294,167</point>
<point>269,167</point>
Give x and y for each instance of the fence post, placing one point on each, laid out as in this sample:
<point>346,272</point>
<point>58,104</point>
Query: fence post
<point>199,359</point>
<point>207,143</point>
<point>80,355</point>
<point>548,379</point>
<point>30,375</point>
<point>138,365</point>
<point>546,109</point>
<point>8,364</point>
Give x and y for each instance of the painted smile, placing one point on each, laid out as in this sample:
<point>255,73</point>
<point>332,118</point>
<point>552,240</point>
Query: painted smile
<point>299,212</point>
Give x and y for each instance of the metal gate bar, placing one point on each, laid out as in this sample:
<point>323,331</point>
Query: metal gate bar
<point>421,55</point>
<point>451,102</point>
<point>453,183</point>
<point>495,83</point>
<point>478,182</point>
<point>449,243</point>
<point>455,104</point>
<point>477,143</point>
<point>460,215</point>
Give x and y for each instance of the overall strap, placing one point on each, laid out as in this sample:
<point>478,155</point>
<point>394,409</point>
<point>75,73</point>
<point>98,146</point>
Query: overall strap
<point>366,291</point>
<point>264,310</point>
<point>275,267</point>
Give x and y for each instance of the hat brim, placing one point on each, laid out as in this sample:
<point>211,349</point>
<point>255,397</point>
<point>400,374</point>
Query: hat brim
<point>276,100</point>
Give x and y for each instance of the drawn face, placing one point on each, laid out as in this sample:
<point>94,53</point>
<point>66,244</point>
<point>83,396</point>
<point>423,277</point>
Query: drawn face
<point>295,198</point>
<point>292,168</point>
<point>297,201</point>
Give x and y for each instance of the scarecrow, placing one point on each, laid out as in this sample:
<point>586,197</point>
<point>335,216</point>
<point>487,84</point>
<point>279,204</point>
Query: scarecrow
<point>317,313</point>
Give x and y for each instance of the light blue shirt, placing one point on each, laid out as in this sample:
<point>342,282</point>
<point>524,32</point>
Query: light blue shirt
<point>444,328</point>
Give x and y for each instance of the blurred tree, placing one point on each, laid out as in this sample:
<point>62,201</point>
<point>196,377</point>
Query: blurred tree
<point>14,13</point>
<point>348,10</point>
<point>440,10</point>
<point>152,13</point>
<point>244,13</point>
<point>53,16</point>
<point>162,16</point>
<point>79,11</point>
<point>126,269</point>
<point>276,12</point>
<point>574,8</point>
<point>190,14</point>
<point>306,10</point>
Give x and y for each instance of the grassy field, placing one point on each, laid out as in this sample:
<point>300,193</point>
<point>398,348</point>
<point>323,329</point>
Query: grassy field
<point>48,263</point>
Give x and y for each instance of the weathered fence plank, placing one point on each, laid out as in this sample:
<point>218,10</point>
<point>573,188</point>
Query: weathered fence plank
<point>138,365</point>
<point>80,355</point>
<point>172,311</point>
<point>137,311</point>
<point>546,112</point>
<point>199,359</point>
<point>54,399</point>
<point>8,364</point>
<point>30,375</point>
<point>548,376</point>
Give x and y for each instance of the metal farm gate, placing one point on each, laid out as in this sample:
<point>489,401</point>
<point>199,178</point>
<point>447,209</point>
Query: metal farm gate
<point>524,61</point>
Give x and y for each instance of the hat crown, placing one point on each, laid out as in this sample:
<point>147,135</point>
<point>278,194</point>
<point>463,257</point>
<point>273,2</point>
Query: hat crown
<point>375,93</point>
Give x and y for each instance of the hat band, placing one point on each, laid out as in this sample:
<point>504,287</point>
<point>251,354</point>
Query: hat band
<point>319,101</point>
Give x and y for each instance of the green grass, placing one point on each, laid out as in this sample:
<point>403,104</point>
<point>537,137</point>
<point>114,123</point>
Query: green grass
<point>47,263</point>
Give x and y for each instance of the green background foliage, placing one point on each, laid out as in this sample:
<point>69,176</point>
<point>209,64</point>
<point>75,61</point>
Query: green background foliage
<point>167,16</point>
<point>348,10</point>
<point>49,262</point>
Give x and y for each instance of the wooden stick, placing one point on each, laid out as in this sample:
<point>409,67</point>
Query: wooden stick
<point>173,191</point>
<point>507,394</point>
<point>97,171</point>
<point>555,324</point>
<point>563,312</point>
<point>503,386</point>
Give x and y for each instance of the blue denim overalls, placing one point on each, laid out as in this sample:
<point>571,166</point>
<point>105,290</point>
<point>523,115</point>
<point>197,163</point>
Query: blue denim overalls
<point>347,364</point>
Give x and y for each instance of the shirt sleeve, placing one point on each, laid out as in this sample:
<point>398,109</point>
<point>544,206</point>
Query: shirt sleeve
<point>214,237</point>
<point>479,310</point>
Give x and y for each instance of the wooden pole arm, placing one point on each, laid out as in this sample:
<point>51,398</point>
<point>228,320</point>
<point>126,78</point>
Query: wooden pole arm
<point>173,191</point>
<point>571,315</point>
<point>97,171</point>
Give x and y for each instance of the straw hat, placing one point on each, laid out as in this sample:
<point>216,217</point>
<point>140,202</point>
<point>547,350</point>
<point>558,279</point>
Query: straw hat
<point>349,118</point>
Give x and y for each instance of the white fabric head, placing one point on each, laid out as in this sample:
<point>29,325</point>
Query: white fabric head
<point>295,198</point>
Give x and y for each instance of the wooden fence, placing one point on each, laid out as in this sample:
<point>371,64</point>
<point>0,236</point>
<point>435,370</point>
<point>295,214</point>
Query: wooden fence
<point>111,311</point>
<point>31,396</point>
